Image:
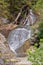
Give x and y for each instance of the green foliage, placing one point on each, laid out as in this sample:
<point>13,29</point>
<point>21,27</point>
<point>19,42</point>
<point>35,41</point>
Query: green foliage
<point>10,8</point>
<point>38,5</point>
<point>41,40</point>
<point>40,28</point>
<point>36,57</point>
<point>4,8</point>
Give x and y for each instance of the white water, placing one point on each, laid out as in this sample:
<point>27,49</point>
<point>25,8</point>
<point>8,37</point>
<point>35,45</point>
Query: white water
<point>32,16</point>
<point>19,35</point>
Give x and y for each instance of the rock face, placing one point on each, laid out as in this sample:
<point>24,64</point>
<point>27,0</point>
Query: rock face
<point>17,37</point>
<point>2,41</point>
<point>4,48</point>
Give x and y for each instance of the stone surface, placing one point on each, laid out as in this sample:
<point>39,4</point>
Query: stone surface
<point>5,51</point>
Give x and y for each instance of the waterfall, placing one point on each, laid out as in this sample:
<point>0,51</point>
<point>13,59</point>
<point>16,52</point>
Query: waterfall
<point>32,16</point>
<point>18,36</point>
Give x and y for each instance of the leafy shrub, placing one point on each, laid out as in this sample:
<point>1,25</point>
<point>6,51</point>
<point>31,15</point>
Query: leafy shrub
<point>36,57</point>
<point>40,28</point>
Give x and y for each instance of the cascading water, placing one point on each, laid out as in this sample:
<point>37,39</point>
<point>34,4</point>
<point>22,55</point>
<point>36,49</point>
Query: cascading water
<point>32,16</point>
<point>18,36</point>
